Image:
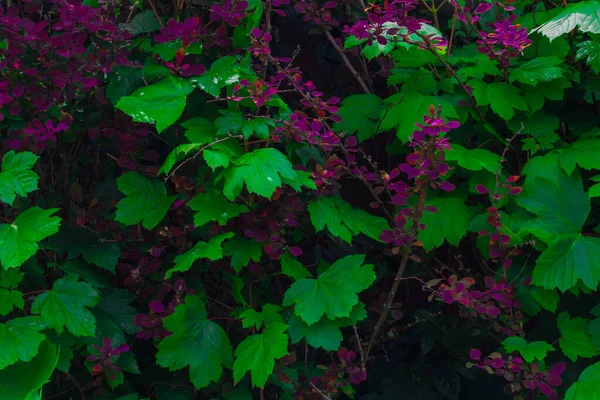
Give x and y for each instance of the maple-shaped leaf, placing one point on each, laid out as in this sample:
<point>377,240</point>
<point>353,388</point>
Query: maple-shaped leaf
<point>196,342</point>
<point>65,305</point>
<point>260,170</point>
<point>585,152</point>
<point>9,299</point>
<point>529,351</point>
<point>251,318</point>
<point>334,293</point>
<point>344,221</point>
<point>293,268</point>
<point>257,354</point>
<point>360,113</point>
<point>539,69</point>
<point>17,178</point>
<point>213,206</point>
<point>575,340</point>
<point>583,15</point>
<point>449,223</point>
<point>562,208</point>
<point>211,250</point>
<point>146,200</point>
<point>19,240</point>
<point>162,102</point>
<point>325,333</point>
<point>474,159</point>
<point>20,338</point>
<point>241,251</point>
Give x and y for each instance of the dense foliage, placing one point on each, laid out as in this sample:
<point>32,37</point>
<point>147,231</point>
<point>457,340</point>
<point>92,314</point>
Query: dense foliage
<point>290,199</point>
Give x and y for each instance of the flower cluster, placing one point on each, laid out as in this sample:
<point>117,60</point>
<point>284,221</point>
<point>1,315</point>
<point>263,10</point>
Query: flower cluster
<point>258,91</point>
<point>50,64</point>
<point>192,31</point>
<point>497,300</point>
<point>507,41</point>
<point>228,12</point>
<point>316,13</point>
<point>521,375</point>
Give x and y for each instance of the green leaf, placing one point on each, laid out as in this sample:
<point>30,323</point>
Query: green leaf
<point>257,354</point>
<point>505,99</point>
<point>199,130</point>
<point>242,250</point>
<point>360,114</point>
<point>234,122</point>
<point>79,241</point>
<point>177,154</point>
<point>546,166</point>
<point>344,221</point>
<point>123,81</point>
<point>114,316</point>
<point>334,293</point>
<point>575,341</point>
<point>450,223</point>
<point>261,170</point>
<point>325,333</point>
<point>10,278</point>
<point>146,202</point>
<point>548,299</point>
<point>65,305</point>
<point>224,71</point>
<point>586,387</point>
<point>17,178</point>
<point>475,159</point>
<point>529,351</point>
<point>20,338</point>
<point>22,381</point>
<point>590,51</point>
<point>413,57</point>
<point>251,318</point>
<point>540,69</point>
<point>585,152</point>
<point>196,342</point>
<point>562,210</point>
<point>18,241</point>
<point>9,299</point>
<point>143,22</point>
<point>404,110</point>
<point>211,250</point>
<point>162,102</point>
<point>583,15</point>
<point>212,206</point>
<point>293,268</point>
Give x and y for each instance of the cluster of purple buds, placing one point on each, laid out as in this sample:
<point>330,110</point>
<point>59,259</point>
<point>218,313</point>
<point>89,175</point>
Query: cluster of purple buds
<point>316,13</point>
<point>520,375</point>
<point>228,11</point>
<point>104,363</point>
<point>258,91</point>
<point>507,41</point>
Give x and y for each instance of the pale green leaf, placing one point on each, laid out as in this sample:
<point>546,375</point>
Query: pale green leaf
<point>584,15</point>
<point>474,159</point>
<point>586,387</point>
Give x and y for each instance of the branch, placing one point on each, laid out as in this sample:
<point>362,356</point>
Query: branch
<point>320,392</point>
<point>346,61</point>
<point>200,152</point>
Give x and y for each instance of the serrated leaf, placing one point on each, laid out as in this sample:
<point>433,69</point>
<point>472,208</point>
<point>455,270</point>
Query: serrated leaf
<point>146,202</point>
<point>360,114</point>
<point>413,57</point>
<point>115,316</point>
<point>584,15</point>
<point>586,387</point>
<point>575,341</point>
<point>251,318</point>
<point>546,166</point>
<point>211,250</point>
<point>260,170</point>
<point>123,81</point>
<point>17,178</point>
<point>539,69</point>
<point>162,102</point>
<point>79,241</point>
<point>242,250</point>
<point>196,342</point>
<point>334,293</point>
<point>10,278</point>
<point>404,110</point>
<point>9,299</point>
<point>20,338</point>
<point>24,379</point>
<point>65,305</point>
<point>474,159</point>
<point>257,354</point>
<point>449,224</point>
<point>562,210</point>
<point>213,206</point>
<point>143,22</point>
<point>19,240</point>
<point>344,221</point>
<point>224,71</point>
<point>529,351</point>
<point>590,51</point>
<point>585,153</point>
<point>505,99</point>
<point>177,154</point>
<point>293,268</point>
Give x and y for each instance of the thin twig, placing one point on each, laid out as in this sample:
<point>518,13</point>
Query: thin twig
<point>200,152</point>
<point>319,391</point>
<point>155,13</point>
<point>360,348</point>
<point>345,59</point>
